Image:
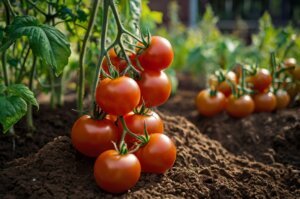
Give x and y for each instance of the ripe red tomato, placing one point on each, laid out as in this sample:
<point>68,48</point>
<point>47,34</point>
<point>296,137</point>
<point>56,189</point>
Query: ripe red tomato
<point>116,173</point>
<point>92,137</point>
<point>155,88</point>
<point>118,96</point>
<point>262,80</point>
<point>158,55</point>
<point>264,102</point>
<point>239,107</point>
<point>135,124</point>
<point>158,155</point>
<point>282,99</point>
<point>208,105</point>
<point>113,118</point>
<point>224,86</point>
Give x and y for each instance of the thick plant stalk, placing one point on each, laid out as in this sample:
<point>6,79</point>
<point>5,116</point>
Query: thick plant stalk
<point>30,125</point>
<point>87,36</point>
<point>102,51</point>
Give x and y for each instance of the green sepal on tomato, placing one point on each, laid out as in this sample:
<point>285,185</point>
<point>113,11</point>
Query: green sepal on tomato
<point>115,172</point>
<point>158,154</point>
<point>92,137</point>
<point>136,123</point>
<point>118,96</point>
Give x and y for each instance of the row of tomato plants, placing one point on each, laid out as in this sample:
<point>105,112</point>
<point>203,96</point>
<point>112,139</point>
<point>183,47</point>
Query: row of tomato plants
<point>248,89</point>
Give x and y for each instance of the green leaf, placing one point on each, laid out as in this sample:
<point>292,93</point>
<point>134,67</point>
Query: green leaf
<point>46,41</point>
<point>13,108</point>
<point>22,91</point>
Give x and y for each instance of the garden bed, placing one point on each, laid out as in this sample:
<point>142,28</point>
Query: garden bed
<point>229,158</point>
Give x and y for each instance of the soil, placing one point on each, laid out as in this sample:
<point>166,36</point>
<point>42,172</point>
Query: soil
<point>254,157</point>
<point>203,169</point>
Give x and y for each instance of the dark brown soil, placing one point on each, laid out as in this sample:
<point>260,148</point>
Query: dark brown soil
<point>203,169</point>
<point>49,124</point>
<point>263,137</point>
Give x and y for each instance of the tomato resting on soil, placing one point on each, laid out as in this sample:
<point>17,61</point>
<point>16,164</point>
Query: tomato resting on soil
<point>158,55</point>
<point>135,123</point>
<point>116,173</point>
<point>155,88</point>
<point>92,137</point>
<point>240,107</point>
<point>158,155</point>
<point>208,105</point>
<point>118,96</point>
<point>264,102</point>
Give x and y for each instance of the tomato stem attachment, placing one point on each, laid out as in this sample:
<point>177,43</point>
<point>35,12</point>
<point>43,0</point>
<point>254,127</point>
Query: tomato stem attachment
<point>126,130</point>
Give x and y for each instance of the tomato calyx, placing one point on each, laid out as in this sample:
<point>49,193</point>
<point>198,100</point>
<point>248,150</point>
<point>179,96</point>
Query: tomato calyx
<point>98,114</point>
<point>142,110</point>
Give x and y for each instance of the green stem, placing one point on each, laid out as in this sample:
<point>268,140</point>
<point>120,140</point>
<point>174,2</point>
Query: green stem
<point>30,125</point>
<point>128,131</point>
<point>7,2</point>
<point>52,84</point>
<point>83,54</point>
<point>3,59</point>
<point>37,8</point>
<point>59,89</point>
<point>102,51</point>
<point>20,76</point>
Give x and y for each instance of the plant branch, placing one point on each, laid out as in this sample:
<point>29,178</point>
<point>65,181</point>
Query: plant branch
<point>37,8</point>
<point>83,54</point>
<point>7,2</point>
<point>102,50</point>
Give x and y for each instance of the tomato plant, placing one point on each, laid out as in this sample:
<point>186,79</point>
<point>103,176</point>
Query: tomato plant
<point>118,96</point>
<point>157,56</point>
<point>115,172</point>
<point>92,137</point>
<point>158,154</point>
<point>137,122</point>
<point>155,88</point>
<point>210,103</point>
<point>240,106</point>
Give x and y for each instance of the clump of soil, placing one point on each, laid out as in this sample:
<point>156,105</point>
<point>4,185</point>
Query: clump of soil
<point>203,169</point>
<point>264,137</point>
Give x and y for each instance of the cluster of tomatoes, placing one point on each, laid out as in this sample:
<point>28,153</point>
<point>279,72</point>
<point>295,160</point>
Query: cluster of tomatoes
<point>249,89</point>
<point>127,136</point>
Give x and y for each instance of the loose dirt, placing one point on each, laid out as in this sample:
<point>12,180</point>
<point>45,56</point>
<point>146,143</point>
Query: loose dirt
<point>203,169</point>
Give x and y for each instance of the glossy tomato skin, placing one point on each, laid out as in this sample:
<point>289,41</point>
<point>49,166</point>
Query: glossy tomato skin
<point>118,96</point>
<point>224,86</point>
<point>158,155</point>
<point>155,88</point>
<point>240,107</point>
<point>158,55</point>
<point>116,173</point>
<point>262,80</point>
<point>210,105</point>
<point>264,102</point>
<point>92,137</point>
<point>135,124</point>
<point>282,98</point>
